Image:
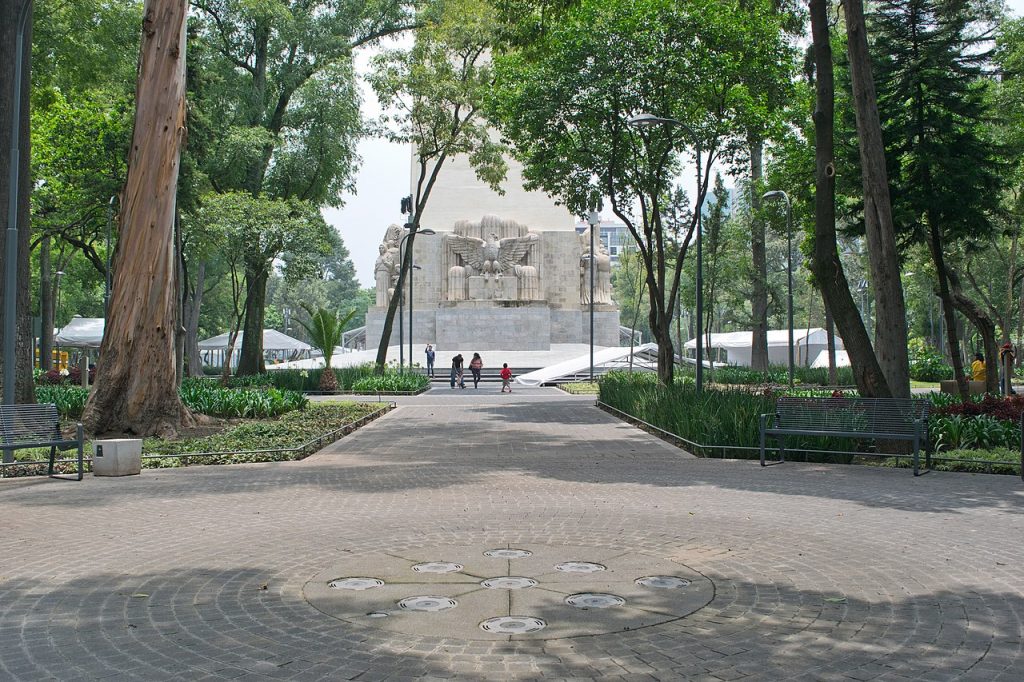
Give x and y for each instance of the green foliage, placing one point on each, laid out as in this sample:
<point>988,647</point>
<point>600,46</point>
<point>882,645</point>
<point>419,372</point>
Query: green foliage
<point>69,399</point>
<point>325,328</point>
<point>206,397</point>
<point>289,431</point>
<point>779,375</point>
<point>392,382</point>
<point>971,461</point>
<point>711,418</point>
<point>926,364</point>
<point>581,388</point>
<point>954,432</point>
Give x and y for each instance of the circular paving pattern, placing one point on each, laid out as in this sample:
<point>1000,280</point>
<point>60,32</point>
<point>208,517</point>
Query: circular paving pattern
<point>357,584</point>
<point>541,596</point>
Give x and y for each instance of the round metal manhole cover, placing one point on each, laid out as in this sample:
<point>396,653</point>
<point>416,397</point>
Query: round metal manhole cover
<point>663,581</point>
<point>508,583</point>
<point>358,584</point>
<point>508,553</point>
<point>512,625</point>
<point>437,567</point>
<point>579,567</point>
<point>427,603</point>
<point>594,600</point>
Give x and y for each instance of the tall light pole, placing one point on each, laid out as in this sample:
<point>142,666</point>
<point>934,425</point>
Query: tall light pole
<point>401,299</point>
<point>769,196</point>
<point>594,218</point>
<point>11,251</point>
<point>647,121</point>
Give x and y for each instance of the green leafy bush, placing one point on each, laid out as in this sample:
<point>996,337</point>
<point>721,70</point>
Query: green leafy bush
<point>69,399</point>
<point>391,382</point>
<point>957,431</point>
<point>926,363</point>
<point>972,461</point>
<point>711,418</point>
<point>779,374</point>
<point>308,380</point>
<point>206,397</point>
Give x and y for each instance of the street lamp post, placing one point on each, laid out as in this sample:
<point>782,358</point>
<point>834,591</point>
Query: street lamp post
<point>595,221</point>
<point>647,121</point>
<point>401,299</point>
<point>769,196</point>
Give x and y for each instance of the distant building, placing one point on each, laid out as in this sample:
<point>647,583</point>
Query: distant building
<point>615,237</point>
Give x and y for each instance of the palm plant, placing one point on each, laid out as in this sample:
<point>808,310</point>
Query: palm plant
<point>325,329</point>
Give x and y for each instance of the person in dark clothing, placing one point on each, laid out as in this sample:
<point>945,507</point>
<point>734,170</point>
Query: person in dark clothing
<point>457,372</point>
<point>430,360</point>
<point>475,365</point>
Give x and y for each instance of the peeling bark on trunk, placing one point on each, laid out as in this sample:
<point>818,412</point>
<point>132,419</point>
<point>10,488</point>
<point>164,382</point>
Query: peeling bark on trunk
<point>759,272</point>
<point>136,376</point>
<point>825,263</point>
<point>890,308</point>
<point>21,373</point>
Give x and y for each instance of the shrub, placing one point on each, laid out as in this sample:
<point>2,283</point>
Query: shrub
<point>714,417</point>
<point>206,397</point>
<point>69,399</point>
<point>391,382</point>
<point>972,461</point>
<point>926,364</point>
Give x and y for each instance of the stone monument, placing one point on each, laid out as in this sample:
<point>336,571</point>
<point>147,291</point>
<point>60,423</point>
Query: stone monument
<point>503,272</point>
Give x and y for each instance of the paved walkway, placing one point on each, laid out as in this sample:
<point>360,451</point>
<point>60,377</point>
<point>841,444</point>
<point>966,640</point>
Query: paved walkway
<point>792,572</point>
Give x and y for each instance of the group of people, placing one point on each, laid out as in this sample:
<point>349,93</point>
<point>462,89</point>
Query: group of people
<point>476,365</point>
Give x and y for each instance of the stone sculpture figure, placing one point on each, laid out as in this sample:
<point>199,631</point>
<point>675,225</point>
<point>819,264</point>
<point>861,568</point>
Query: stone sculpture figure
<point>456,283</point>
<point>602,272</point>
<point>383,275</point>
<point>491,258</point>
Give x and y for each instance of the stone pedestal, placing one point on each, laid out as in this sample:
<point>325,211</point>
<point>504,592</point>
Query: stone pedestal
<point>117,457</point>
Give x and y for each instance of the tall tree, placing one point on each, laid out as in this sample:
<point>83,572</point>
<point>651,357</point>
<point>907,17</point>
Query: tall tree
<point>10,11</point>
<point>565,99</point>
<point>287,89</point>
<point>944,169</point>
<point>137,380</point>
<point>891,327</point>
<point>436,91</point>
<point>825,262</point>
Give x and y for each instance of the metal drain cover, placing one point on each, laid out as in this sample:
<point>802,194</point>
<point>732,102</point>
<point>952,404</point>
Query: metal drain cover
<point>579,567</point>
<point>508,553</point>
<point>437,567</point>
<point>663,581</point>
<point>508,583</point>
<point>377,614</point>
<point>594,600</point>
<point>512,625</point>
<point>427,603</point>
<point>355,583</point>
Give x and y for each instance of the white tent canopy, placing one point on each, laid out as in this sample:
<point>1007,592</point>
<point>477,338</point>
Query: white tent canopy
<point>81,332</point>
<point>807,344</point>
<point>272,340</point>
<point>842,359</point>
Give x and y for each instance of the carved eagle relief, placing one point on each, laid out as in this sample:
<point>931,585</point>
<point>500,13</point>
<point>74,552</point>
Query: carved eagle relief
<point>494,256</point>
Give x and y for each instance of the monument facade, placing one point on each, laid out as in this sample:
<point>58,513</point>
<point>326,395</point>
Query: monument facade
<point>503,272</point>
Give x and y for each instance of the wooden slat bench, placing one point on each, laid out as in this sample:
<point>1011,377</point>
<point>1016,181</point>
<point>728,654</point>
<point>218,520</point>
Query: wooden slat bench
<point>38,426</point>
<point>864,418</point>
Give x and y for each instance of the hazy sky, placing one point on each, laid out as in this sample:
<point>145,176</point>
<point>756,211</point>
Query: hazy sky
<point>383,180</point>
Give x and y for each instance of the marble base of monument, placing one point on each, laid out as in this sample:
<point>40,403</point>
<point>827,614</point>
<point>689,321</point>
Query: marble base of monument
<point>490,325</point>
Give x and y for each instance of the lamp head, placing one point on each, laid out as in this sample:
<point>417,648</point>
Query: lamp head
<point>427,231</point>
<point>645,120</point>
<point>775,194</point>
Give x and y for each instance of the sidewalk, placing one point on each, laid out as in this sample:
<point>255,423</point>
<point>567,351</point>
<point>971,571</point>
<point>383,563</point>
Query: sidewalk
<point>803,572</point>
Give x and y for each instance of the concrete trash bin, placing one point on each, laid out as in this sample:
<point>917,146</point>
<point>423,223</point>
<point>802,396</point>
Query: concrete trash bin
<point>117,457</point>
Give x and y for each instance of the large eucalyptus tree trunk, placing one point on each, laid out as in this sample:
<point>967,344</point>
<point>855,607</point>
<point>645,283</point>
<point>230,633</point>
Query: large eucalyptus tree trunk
<point>21,373</point>
<point>825,263</point>
<point>194,361</point>
<point>251,359</point>
<point>45,306</point>
<point>890,308</point>
<point>136,379</point>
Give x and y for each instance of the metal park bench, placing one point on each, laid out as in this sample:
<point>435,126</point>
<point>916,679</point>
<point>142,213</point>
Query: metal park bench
<point>37,426</point>
<point>882,419</point>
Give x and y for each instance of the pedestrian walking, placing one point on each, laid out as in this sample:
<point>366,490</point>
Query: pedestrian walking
<point>430,361</point>
<point>506,378</point>
<point>475,365</point>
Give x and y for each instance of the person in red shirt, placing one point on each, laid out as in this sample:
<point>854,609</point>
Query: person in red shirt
<point>506,377</point>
